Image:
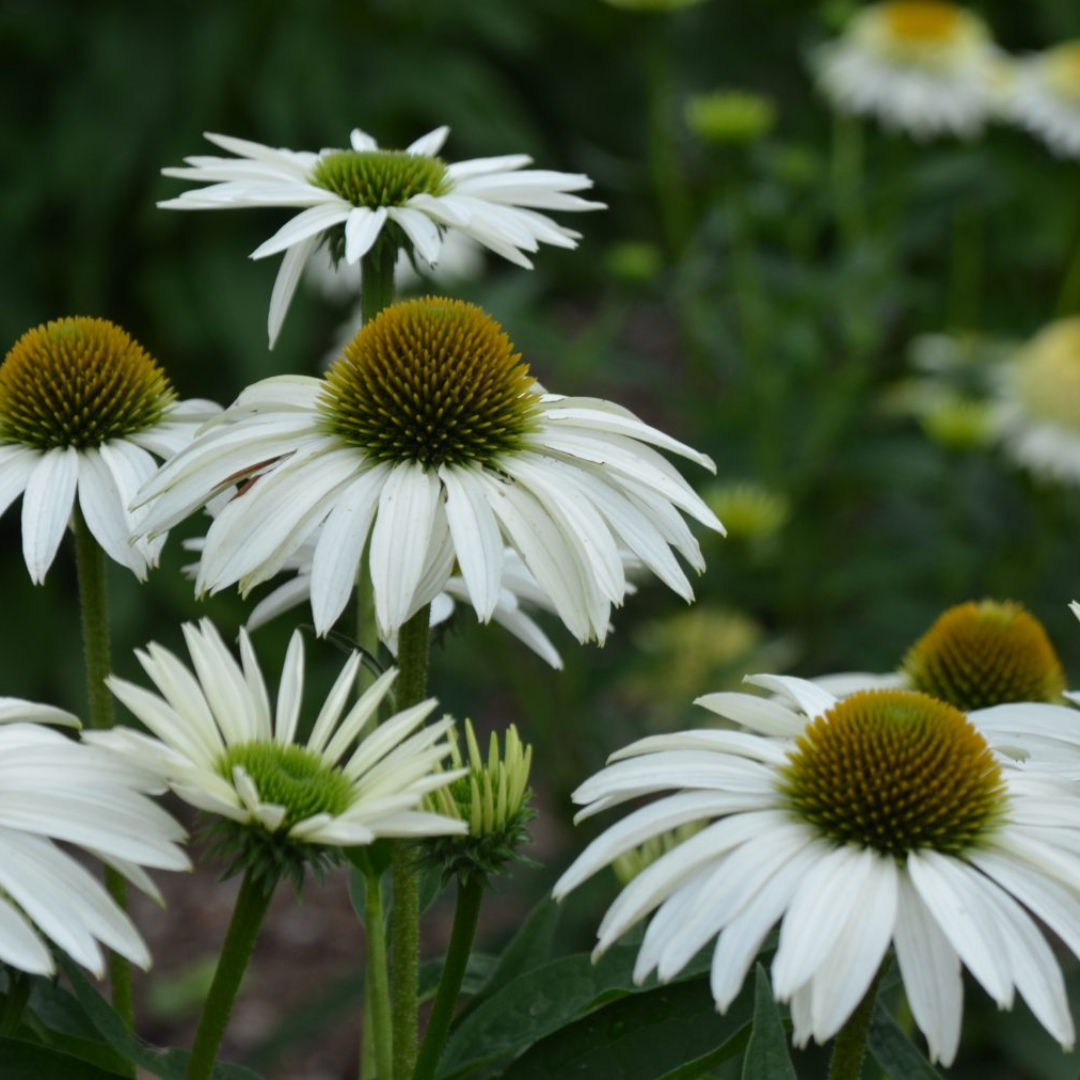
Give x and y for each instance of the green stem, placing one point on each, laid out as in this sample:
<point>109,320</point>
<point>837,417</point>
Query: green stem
<point>849,1050</point>
<point>405,915</point>
<point>92,568</point>
<point>470,895</point>
<point>965,271</point>
<point>1068,300</point>
<point>377,278</point>
<point>663,149</point>
<point>250,910</point>
<point>847,166</point>
<point>379,1033</point>
<point>18,995</point>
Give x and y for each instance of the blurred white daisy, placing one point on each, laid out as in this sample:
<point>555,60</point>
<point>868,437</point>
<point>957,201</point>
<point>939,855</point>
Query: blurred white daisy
<point>517,585</point>
<point>83,412</point>
<point>1037,410</point>
<point>882,820</point>
<point>53,789</point>
<point>429,444</point>
<point>354,197</point>
<point>220,746</point>
<point>1044,97</point>
<point>921,66</point>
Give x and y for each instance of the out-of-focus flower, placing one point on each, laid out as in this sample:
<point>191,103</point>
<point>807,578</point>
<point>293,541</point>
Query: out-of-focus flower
<point>749,510</point>
<point>84,409</point>
<point>921,66</point>
<point>1044,97</point>
<point>635,262</point>
<point>726,117</point>
<point>1037,412</point>
<point>358,197</point>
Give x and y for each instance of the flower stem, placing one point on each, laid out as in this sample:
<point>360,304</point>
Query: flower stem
<point>664,153</point>
<point>250,910</point>
<point>470,895</point>
<point>379,1033</point>
<point>18,994</point>
<point>849,1050</point>
<point>847,168</point>
<point>92,568</point>
<point>377,278</point>
<point>405,915</point>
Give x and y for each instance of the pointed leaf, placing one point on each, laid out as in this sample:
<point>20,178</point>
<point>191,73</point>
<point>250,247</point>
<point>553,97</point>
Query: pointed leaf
<point>767,1056</point>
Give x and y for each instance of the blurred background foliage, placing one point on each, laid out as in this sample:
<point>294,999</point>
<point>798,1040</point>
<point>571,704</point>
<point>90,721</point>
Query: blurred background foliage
<point>757,298</point>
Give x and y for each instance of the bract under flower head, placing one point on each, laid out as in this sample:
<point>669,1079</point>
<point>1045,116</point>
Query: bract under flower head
<point>945,866</point>
<point>281,805</point>
<point>570,484</point>
<point>84,410</point>
<point>922,66</point>
<point>366,195</point>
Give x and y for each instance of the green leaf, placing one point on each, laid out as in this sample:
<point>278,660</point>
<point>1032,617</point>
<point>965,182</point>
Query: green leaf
<point>767,1056</point>
<point>528,949</point>
<point>537,1003</point>
<point>639,1037</point>
<point>167,1064</point>
<point>477,972</point>
<point>27,1061</point>
<point>895,1052</point>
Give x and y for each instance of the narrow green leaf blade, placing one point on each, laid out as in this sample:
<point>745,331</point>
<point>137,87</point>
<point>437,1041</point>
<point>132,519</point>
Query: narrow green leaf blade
<point>767,1056</point>
<point>894,1051</point>
<point>21,1059</point>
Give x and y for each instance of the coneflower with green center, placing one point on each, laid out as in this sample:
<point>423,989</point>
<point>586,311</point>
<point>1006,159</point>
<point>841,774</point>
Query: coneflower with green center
<point>84,411</point>
<point>368,203</point>
<point>491,796</point>
<point>430,446</point>
<point>885,821</point>
<point>278,807</point>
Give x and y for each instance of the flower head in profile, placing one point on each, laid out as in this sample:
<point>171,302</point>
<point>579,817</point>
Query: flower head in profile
<point>220,745</point>
<point>84,410</point>
<point>921,66</point>
<point>354,199</point>
<point>428,445</point>
<point>885,820</point>
<point>1037,413</point>
<point>1044,97</point>
<point>55,791</point>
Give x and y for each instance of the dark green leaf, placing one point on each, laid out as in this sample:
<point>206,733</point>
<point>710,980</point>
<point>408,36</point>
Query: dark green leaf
<point>26,1061</point>
<point>167,1064</point>
<point>477,973</point>
<point>539,1002</point>
<point>638,1037</point>
<point>767,1056</point>
<point>895,1052</point>
<point>528,949</point>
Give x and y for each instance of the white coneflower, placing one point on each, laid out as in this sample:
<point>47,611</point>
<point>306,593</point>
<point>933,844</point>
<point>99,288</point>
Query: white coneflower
<point>351,198</point>
<point>220,746</point>
<point>1044,97</point>
<point>429,444</point>
<point>921,66</point>
<point>53,789</point>
<point>884,820</point>
<point>84,410</point>
<point>1037,413</point>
